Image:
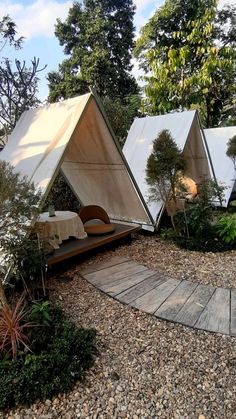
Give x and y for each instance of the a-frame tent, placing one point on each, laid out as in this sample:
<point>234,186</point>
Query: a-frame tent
<point>225,173</point>
<point>74,136</point>
<point>186,131</point>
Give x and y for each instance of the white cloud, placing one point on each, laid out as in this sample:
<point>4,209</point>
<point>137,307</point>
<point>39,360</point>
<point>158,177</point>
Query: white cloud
<point>36,19</point>
<point>142,4</point>
<point>144,10</point>
<point>224,2</point>
<point>39,17</point>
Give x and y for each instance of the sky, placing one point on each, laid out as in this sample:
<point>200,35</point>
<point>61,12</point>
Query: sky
<point>35,20</point>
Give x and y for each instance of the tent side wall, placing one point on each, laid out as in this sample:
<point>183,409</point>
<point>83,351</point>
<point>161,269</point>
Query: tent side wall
<point>185,130</point>
<point>96,171</point>
<point>217,139</point>
<point>195,154</point>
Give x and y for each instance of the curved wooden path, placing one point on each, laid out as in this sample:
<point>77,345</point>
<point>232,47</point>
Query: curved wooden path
<point>189,303</point>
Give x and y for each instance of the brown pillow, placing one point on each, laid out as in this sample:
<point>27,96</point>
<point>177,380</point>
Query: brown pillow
<point>99,229</point>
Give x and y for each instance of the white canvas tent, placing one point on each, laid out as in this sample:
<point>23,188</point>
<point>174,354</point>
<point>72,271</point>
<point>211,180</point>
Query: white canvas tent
<point>223,166</point>
<point>186,131</point>
<point>74,136</point>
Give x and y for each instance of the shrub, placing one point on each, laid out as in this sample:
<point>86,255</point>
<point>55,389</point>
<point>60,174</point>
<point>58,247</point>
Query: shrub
<point>19,202</point>
<point>195,225</point>
<point>164,171</point>
<point>165,167</point>
<point>205,237</point>
<point>226,228</point>
<point>60,355</point>
<point>28,264</point>
<point>209,243</point>
<point>61,196</point>
<point>40,313</point>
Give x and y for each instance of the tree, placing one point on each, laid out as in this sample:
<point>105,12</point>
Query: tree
<point>231,150</point>
<point>164,171</point>
<point>18,83</point>
<point>18,89</point>
<point>8,33</point>
<point>188,46</point>
<point>121,114</point>
<point>98,37</point>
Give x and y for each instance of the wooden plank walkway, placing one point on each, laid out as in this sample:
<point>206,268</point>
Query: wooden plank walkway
<point>189,303</point>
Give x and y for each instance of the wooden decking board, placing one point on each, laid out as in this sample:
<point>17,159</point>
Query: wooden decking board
<point>72,248</point>
<point>233,313</point>
<point>172,305</point>
<point>150,301</point>
<point>116,260</point>
<point>140,289</point>
<point>116,287</point>
<point>191,310</point>
<point>191,304</point>
<point>216,315</point>
<point>113,273</point>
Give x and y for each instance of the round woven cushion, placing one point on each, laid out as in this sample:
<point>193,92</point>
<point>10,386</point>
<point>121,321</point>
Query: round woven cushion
<point>99,229</point>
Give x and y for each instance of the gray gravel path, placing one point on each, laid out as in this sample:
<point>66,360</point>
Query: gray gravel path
<point>146,368</point>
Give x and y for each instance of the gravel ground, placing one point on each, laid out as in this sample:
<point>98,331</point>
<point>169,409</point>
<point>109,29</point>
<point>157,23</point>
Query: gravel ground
<point>217,269</point>
<point>146,368</point>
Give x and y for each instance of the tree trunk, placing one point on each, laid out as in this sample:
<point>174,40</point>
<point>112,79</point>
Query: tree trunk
<point>3,300</point>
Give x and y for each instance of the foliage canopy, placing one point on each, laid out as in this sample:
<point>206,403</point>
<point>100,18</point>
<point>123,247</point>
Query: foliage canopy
<point>165,167</point>
<point>98,37</point>
<point>231,150</point>
<point>188,47</point>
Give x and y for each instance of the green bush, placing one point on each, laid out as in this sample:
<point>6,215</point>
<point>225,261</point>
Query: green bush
<point>60,355</point>
<point>226,228</point>
<point>195,226</point>
<point>40,313</point>
<point>61,196</point>
<point>209,243</point>
<point>19,205</point>
<point>202,235</point>
<point>194,222</point>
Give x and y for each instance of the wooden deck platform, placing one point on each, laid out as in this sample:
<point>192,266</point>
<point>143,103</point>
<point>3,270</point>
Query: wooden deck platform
<point>191,304</point>
<point>73,247</point>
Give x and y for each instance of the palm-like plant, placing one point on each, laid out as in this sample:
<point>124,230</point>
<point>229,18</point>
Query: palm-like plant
<point>12,328</point>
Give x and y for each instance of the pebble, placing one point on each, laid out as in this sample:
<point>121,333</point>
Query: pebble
<point>145,368</point>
